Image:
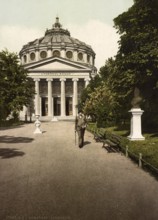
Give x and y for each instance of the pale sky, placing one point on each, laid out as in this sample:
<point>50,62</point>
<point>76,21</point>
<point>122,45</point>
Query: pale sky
<point>90,21</point>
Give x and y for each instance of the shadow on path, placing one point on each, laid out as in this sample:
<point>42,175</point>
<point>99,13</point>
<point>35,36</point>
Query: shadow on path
<point>11,127</point>
<point>87,142</point>
<point>12,139</point>
<point>6,153</point>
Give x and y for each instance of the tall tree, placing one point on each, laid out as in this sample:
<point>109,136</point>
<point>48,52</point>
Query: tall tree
<point>137,59</point>
<point>16,88</point>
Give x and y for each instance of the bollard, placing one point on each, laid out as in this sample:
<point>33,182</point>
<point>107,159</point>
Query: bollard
<point>140,160</point>
<point>126,151</point>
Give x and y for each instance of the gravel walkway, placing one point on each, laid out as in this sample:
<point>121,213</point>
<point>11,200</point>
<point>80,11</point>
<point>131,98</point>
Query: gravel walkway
<point>46,177</point>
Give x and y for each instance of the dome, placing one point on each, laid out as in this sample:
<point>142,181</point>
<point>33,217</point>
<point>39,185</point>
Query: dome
<point>57,42</point>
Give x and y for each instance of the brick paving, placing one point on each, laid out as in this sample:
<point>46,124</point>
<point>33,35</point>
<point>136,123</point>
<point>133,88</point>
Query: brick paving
<point>46,177</point>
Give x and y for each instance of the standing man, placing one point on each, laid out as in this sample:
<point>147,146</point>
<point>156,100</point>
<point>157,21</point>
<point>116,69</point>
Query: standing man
<point>80,126</point>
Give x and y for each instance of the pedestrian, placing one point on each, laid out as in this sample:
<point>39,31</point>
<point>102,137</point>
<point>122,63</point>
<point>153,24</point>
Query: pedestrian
<point>80,126</point>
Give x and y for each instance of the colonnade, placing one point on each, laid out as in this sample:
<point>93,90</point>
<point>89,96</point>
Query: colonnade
<point>62,96</point>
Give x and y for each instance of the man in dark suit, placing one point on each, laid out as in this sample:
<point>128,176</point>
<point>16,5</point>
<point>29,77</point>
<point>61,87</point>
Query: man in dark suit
<point>80,126</point>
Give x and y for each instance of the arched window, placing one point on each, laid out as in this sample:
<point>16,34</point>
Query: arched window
<point>69,54</point>
<point>25,58</point>
<point>43,54</point>
<point>56,53</point>
<point>32,56</point>
<point>80,56</point>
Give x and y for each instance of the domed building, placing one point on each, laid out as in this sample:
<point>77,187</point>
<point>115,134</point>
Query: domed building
<point>61,67</point>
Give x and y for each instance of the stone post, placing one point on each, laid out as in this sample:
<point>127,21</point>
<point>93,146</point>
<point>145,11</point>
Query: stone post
<point>136,130</point>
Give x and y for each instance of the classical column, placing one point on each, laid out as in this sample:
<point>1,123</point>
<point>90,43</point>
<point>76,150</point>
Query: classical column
<point>86,82</point>
<point>75,97</point>
<point>62,97</point>
<point>37,97</point>
<point>49,96</point>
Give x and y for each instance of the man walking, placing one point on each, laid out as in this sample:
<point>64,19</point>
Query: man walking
<point>80,126</point>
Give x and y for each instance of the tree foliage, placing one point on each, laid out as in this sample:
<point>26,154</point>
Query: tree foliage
<point>16,89</point>
<point>134,66</point>
<point>137,58</point>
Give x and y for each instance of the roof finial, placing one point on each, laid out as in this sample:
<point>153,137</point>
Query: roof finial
<point>57,23</point>
<point>57,19</point>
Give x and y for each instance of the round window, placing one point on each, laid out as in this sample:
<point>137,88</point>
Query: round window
<point>56,53</point>
<point>69,54</point>
<point>80,56</point>
<point>43,54</point>
<point>32,56</point>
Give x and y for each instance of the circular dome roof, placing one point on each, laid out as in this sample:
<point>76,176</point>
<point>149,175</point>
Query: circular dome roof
<point>57,37</point>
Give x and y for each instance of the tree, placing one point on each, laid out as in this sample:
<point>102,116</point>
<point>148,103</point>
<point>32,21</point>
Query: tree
<point>100,105</point>
<point>97,100</point>
<point>16,88</point>
<point>137,58</point>
<point>94,83</point>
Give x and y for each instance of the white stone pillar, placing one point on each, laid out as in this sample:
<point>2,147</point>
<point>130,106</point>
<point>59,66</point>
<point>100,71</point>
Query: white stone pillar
<point>136,130</point>
<point>62,97</point>
<point>75,97</point>
<point>49,96</point>
<point>37,97</point>
<point>86,82</point>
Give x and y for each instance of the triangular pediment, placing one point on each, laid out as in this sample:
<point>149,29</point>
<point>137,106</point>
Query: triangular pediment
<point>56,64</point>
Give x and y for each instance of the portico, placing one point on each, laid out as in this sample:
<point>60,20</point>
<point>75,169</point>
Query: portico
<point>60,100</point>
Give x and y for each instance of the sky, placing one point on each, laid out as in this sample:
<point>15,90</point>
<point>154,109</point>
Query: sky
<point>90,21</point>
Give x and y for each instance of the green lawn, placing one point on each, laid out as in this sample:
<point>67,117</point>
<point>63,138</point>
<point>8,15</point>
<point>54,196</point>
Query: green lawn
<point>148,147</point>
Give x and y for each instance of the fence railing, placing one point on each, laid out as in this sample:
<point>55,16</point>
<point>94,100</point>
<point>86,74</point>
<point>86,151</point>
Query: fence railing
<point>139,158</point>
<point>136,157</point>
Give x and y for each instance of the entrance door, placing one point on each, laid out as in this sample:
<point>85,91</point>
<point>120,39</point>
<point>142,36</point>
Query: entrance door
<point>44,106</point>
<point>68,105</point>
<point>57,106</point>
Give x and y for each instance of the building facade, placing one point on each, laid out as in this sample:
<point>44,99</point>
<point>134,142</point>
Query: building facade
<point>61,66</point>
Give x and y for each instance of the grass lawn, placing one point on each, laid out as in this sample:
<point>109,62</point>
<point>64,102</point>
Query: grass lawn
<point>148,147</point>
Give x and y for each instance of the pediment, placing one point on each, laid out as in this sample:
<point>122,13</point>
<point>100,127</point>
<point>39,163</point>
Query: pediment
<point>55,64</point>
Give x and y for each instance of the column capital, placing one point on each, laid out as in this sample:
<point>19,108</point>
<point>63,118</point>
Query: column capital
<point>36,79</point>
<point>75,79</point>
<point>49,80</point>
<point>87,79</point>
<point>62,79</point>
